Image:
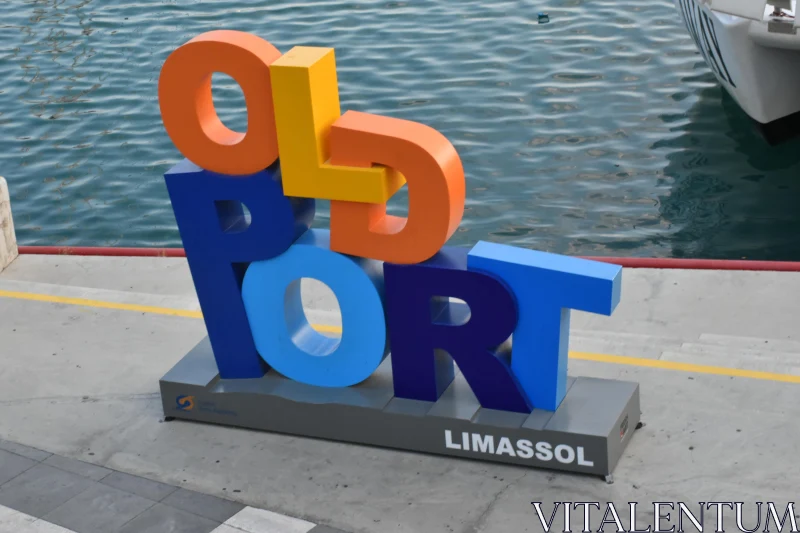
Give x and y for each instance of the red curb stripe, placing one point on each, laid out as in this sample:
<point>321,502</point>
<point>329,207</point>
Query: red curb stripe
<point>627,262</point>
<point>700,264</point>
<point>102,251</point>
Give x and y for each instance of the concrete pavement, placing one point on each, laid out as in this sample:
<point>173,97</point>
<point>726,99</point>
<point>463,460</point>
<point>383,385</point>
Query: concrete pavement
<point>86,339</point>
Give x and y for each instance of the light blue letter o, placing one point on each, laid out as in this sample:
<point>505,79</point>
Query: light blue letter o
<point>282,334</point>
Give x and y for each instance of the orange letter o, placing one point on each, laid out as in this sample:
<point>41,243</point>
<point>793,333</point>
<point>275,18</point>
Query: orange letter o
<point>187,109</point>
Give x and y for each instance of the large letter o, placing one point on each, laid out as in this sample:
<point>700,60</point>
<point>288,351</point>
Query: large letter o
<point>282,334</point>
<point>187,109</point>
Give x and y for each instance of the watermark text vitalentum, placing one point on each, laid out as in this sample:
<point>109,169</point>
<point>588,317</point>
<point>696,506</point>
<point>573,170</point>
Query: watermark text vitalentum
<point>666,517</point>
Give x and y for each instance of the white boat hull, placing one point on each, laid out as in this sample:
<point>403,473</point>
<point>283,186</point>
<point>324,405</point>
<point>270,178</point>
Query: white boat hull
<point>757,62</point>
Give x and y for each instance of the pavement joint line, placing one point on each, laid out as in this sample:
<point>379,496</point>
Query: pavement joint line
<point>581,356</point>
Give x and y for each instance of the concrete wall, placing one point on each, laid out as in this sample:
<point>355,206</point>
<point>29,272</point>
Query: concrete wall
<point>8,240</point>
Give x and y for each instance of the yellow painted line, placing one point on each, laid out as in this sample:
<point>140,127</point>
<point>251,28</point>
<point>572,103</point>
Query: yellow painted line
<point>100,304</point>
<point>581,356</point>
<point>84,302</point>
<point>684,367</point>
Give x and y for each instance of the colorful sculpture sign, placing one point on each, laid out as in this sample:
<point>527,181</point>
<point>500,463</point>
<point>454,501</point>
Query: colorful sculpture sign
<point>393,277</point>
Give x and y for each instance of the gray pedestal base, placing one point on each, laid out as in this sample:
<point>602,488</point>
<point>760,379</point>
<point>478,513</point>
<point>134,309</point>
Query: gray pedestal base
<point>587,433</point>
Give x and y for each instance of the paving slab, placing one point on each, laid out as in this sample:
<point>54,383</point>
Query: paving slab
<point>24,451</point>
<point>81,468</point>
<point>203,505</point>
<point>41,489</point>
<point>254,520</point>
<point>99,509</point>
<point>160,518</point>
<point>12,465</point>
<point>121,503</point>
<point>146,488</point>
<point>82,382</point>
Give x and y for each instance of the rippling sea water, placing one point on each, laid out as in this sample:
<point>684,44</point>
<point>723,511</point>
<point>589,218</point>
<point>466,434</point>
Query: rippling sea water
<point>600,133</point>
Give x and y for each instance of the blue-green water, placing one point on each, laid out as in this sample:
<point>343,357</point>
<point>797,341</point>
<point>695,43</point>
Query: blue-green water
<point>600,133</point>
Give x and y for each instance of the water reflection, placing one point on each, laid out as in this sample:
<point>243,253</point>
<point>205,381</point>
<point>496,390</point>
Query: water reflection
<point>733,195</point>
<point>601,133</point>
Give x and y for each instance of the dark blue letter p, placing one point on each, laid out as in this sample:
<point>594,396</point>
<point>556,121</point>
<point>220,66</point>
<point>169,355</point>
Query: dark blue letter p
<point>221,242</point>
